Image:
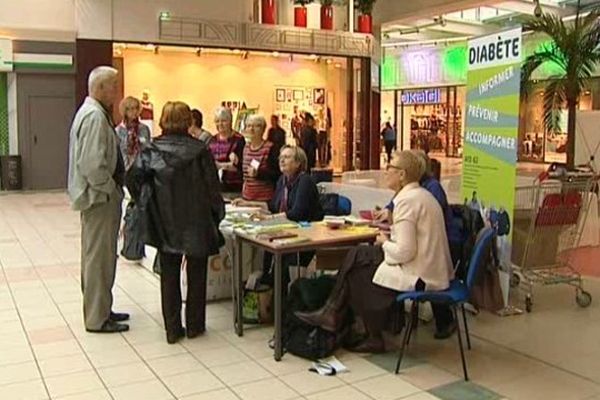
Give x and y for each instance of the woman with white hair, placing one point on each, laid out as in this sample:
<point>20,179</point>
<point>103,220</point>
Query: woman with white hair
<point>297,198</point>
<point>415,257</point>
<point>227,148</point>
<point>261,164</point>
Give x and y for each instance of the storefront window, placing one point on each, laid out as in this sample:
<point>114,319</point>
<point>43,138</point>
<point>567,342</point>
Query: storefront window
<point>266,83</point>
<point>536,143</point>
<point>432,120</point>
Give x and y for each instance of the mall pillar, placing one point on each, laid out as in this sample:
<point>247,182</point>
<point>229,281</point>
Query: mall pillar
<point>370,106</point>
<point>89,55</point>
<point>348,160</point>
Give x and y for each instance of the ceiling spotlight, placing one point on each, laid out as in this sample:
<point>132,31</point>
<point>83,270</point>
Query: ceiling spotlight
<point>150,47</point>
<point>165,15</point>
<point>329,61</point>
<point>236,51</point>
<point>338,65</point>
<point>275,54</point>
<point>313,57</point>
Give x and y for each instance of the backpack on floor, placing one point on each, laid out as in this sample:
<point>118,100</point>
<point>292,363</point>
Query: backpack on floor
<point>464,227</point>
<point>305,340</point>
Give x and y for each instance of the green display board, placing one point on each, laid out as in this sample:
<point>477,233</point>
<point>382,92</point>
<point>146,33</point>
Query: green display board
<point>491,130</point>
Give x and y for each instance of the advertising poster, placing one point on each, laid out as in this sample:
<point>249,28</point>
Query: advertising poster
<point>490,140</point>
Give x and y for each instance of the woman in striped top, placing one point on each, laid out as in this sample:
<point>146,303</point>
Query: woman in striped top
<point>260,162</point>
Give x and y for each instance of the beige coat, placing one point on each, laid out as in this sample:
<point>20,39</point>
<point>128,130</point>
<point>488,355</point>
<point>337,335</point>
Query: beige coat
<point>93,156</point>
<point>418,247</point>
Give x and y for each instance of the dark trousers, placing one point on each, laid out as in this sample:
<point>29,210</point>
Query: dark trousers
<point>170,291</point>
<point>373,302</point>
<point>389,147</point>
<point>287,260</point>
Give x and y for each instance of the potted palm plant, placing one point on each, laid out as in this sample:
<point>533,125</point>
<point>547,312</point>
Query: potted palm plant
<point>327,13</point>
<point>365,21</point>
<point>300,12</point>
<point>268,12</point>
<point>574,52</point>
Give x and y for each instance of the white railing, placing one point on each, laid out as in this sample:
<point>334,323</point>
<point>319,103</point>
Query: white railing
<point>251,36</point>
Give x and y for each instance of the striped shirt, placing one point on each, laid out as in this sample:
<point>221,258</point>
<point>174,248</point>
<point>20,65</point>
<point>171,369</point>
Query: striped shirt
<point>261,186</point>
<point>220,149</point>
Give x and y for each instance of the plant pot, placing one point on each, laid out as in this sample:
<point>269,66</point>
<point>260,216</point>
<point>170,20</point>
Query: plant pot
<point>327,18</point>
<point>365,23</point>
<point>268,12</point>
<point>300,17</point>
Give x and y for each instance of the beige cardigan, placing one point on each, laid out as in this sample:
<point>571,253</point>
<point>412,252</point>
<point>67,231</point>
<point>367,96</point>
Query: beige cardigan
<point>418,247</point>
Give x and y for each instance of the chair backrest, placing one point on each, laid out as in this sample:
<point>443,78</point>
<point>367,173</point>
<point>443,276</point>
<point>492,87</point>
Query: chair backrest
<point>479,255</point>
<point>344,205</point>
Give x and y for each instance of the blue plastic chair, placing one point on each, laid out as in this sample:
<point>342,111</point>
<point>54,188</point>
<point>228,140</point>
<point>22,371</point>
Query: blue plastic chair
<point>455,296</point>
<point>344,205</point>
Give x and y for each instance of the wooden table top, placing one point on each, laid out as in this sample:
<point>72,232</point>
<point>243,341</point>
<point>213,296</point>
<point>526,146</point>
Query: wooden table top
<point>319,236</point>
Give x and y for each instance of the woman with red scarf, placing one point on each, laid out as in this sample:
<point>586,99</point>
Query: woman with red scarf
<point>133,137</point>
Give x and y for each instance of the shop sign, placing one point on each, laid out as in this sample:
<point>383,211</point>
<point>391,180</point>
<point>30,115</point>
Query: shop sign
<point>424,96</point>
<point>6,55</point>
<point>490,138</point>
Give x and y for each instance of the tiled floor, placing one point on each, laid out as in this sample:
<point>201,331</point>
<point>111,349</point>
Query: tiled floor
<point>552,353</point>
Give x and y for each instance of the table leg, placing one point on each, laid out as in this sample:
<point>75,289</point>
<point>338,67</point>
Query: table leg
<point>278,308</point>
<point>239,288</point>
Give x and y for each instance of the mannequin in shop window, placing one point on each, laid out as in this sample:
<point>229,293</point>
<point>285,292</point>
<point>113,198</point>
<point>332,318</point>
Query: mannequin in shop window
<point>227,148</point>
<point>147,110</point>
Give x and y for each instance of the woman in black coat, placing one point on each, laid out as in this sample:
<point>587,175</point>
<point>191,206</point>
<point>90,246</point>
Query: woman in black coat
<point>175,183</point>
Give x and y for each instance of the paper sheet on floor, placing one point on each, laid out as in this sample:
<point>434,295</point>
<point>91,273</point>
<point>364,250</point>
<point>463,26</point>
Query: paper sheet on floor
<point>329,366</point>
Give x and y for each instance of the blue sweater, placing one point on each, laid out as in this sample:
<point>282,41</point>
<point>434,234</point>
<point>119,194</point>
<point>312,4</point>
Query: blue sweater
<point>303,199</point>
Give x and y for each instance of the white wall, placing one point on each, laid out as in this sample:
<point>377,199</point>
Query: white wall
<point>392,10</point>
<point>137,20</point>
<point>38,14</point>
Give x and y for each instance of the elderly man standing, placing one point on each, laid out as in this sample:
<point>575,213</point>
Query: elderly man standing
<point>96,174</point>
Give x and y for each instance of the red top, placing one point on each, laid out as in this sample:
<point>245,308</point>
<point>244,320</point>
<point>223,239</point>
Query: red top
<point>261,186</point>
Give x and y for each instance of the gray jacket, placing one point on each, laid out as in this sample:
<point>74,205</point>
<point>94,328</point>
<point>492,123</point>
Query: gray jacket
<point>93,156</point>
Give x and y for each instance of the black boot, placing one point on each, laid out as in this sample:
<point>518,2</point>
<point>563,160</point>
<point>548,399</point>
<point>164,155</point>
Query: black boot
<point>331,315</point>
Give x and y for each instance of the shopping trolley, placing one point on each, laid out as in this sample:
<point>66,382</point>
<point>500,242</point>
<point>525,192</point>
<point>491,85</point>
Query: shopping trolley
<point>548,222</point>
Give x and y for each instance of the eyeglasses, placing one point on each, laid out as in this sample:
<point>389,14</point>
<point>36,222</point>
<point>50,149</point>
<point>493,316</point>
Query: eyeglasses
<point>387,167</point>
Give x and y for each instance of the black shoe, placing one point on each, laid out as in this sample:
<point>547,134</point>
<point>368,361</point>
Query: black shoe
<point>110,327</point>
<point>192,333</point>
<point>173,337</point>
<point>445,332</point>
<point>118,317</point>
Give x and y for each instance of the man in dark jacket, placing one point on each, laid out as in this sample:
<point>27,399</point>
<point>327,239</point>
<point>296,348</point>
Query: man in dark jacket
<point>308,140</point>
<point>174,181</point>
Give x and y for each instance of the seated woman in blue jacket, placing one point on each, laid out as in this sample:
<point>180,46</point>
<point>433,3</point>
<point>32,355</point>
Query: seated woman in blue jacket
<point>297,198</point>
